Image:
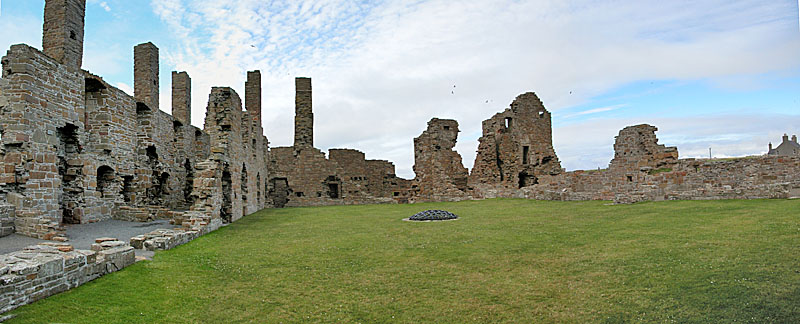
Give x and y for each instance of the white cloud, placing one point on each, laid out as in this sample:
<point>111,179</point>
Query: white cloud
<point>381,71</point>
<point>125,87</point>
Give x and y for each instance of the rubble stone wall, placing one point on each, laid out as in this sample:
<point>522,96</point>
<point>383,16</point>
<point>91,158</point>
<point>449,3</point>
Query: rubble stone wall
<point>301,175</point>
<point>516,147</point>
<point>230,183</point>
<point>642,170</point>
<point>74,149</point>
<point>7,216</point>
<point>43,270</point>
<point>43,115</point>
<point>440,175</point>
<point>636,148</point>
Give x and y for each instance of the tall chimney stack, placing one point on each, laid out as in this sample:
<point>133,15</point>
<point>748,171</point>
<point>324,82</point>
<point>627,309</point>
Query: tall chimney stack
<point>252,95</point>
<point>62,31</point>
<point>303,115</point>
<point>145,75</point>
<point>182,97</point>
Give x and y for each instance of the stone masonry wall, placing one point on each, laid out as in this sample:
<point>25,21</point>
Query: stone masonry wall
<point>42,138</point>
<point>301,175</point>
<point>46,269</point>
<point>516,147</point>
<point>440,175</point>
<point>229,184</point>
<point>643,170</point>
<point>636,148</point>
<point>74,149</point>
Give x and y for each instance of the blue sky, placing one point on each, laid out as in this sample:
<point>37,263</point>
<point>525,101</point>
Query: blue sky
<point>718,74</point>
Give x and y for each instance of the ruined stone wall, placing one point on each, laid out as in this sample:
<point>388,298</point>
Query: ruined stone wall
<point>440,175</point>
<point>76,149</point>
<point>383,182</point>
<point>301,175</point>
<point>644,170</point>
<point>229,184</point>
<point>307,178</point>
<point>742,178</point>
<point>46,269</point>
<point>34,127</point>
<point>516,147</point>
<point>7,216</point>
<point>345,179</point>
<point>636,148</point>
<point>107,157</point>
<point>349,175</point>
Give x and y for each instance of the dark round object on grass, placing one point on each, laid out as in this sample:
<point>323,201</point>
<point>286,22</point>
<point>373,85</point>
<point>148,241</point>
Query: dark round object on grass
<point>433,214</point>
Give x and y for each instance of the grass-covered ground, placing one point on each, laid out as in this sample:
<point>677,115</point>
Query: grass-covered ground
<point>504,260</point>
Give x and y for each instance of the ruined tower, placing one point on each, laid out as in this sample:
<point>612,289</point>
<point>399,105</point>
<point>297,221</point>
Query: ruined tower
<point>440,175</point>
<point>303,115</point>
<point>517,146</point>
<point>182,97</point>
<point>252,95</point>
<point>62,37</point>
<point>145,75</point>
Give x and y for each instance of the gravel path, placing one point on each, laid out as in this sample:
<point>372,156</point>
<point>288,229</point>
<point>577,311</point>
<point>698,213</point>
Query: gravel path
<point>82,236</point>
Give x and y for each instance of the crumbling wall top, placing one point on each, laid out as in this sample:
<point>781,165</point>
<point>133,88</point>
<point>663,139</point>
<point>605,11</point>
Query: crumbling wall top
<point>637,147</point>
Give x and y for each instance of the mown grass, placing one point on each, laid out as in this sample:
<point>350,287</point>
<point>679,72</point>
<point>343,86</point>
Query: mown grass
<point>504,260</point>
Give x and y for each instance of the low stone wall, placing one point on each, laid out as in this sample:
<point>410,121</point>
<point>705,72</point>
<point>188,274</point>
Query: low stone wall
<point>322,201</point>
<point>49,268</point>
<point>195,224</point>
<point>752,177</point>
<point>163,239</point>
<point>744,178</point>
<point>46,269</point>
<point>688,179</point>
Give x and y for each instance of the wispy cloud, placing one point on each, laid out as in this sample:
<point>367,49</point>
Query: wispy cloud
<point>101,4</point>
<point>382,69</point>
<point>595,110</point>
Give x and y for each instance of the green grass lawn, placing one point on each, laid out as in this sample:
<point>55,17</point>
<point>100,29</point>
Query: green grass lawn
<point>504,260</point>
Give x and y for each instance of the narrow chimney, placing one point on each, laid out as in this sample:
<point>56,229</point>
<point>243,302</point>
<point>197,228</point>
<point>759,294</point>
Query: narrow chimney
<point>794,138</point>
<point>182,97</point>
<point>303,114</point>
<point>252,95</point>
<point>145,75</point>
<point>62,31</point>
